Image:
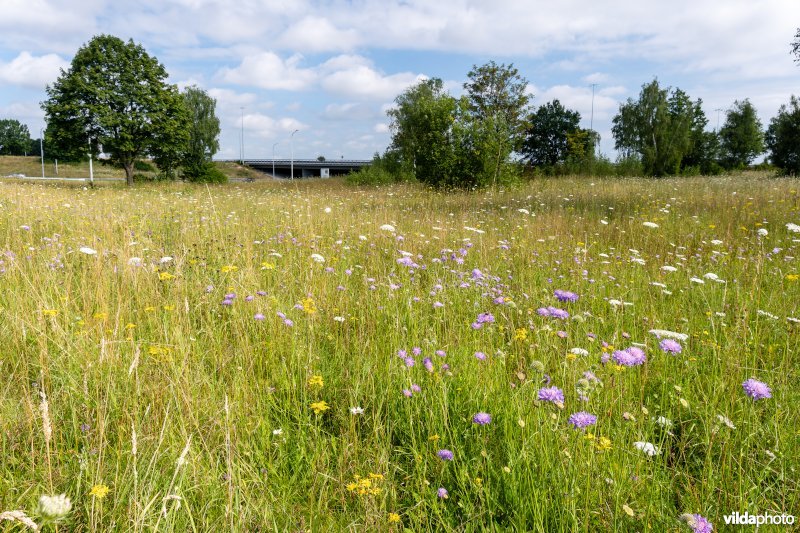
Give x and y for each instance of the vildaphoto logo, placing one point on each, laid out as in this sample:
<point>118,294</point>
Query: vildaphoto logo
<point>743,519</point>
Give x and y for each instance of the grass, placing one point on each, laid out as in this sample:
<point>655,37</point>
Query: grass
<point>197,414</point>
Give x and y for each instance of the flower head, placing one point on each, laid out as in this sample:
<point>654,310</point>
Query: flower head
<point>482,419</point>
<point>320,407</point>
<point>670,346</point>
<point>445,455</point>
<point>582,419</point>
<point>698,523</point>
<point>633,356</point>
<point>551,394</point>
<point>565,296</point>
<point>99,491</point>
<point>757,390</point>
<point>54,507</point>
<point>442,493</point>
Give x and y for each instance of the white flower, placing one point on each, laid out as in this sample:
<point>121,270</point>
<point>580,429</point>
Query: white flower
<point>164,260</point>
<point>697,280</point>
<point>388,227</point>
<point>356,410</point>
<point>20,517</point>
<point>794,228</point>
<point>762,232</point>
<point>615,303</point>
<point>339,318</point>
<point>362,238</point>
<point>54,506</point>
<point>649,224</point>
<point>725,420</point>
<point>135,261</point>
<point>277,432</point>
<point>637,260</point>
<point>647,447</point>
<point>716,242</point>
<point>666,334</point>
<point>657,284</point>
<point>667,268</point>
<point>579,351</point>
<point>664,422</point>
<point>88,251</point>
<point>327,209</point>
<point>604,222</point>
<point>766,314</point>
<point>524,211</point>
<point>317,258</point>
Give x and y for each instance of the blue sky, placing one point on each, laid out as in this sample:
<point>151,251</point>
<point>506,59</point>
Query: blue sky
<point>332,68</point>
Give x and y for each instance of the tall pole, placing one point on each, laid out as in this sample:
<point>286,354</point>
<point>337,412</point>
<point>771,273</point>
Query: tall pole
<point>291,145</point>
<point>718,110</point>
<point>273,158</point>
<point>41,148</point>
<point>241,139</point>
<point>591,120</point>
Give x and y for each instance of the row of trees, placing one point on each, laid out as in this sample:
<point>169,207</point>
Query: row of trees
<point>114,99</point>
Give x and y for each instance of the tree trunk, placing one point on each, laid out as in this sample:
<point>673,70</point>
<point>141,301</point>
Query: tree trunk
<point>128,173</point>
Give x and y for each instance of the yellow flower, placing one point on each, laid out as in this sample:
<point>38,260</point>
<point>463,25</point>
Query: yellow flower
<point>320,407</point>
<point>165,276</point>
<point>603,444</point>
<point>394,518</point>
<point>433,438</point>
<point>315,381</point>
<point>99,491</point>
<point>100,316</point>
<point>520,334</point>
<point>228,268</point>
<point>792,277</point>
<point>267,266</point>
<point>49,312</point>
<point>308,306</point>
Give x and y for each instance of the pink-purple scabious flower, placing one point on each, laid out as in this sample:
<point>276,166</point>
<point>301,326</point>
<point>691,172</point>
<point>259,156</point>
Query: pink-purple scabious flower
<point>582,420</point>
<point>551,394</point>
<point>445,455</point>
<point>670,346</point>
<point>565,296</point>
<point>482,419</point>
<point>757,390</point>
<point>633,356</point>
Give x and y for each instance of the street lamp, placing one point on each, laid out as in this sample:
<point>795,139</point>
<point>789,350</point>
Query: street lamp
<point>91,171</point>
<point>273,158</point>
<point>41,148</point>
<point>241,140</point>
<point>291,145</point>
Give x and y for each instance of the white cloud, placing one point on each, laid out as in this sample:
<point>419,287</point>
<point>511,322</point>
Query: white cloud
<point>350,111</point>
<point>29,71</point>
<point>268,127</point>
<point>580,99</point>
<point>316,34</point>
<point>381,127</point>
<point>268,71</point>
<point>353,76</point>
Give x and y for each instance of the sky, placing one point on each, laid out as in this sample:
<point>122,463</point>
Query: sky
<point>332,68</point>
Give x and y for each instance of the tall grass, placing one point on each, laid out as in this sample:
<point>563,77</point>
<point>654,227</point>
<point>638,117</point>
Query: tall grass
<point>181,361</point>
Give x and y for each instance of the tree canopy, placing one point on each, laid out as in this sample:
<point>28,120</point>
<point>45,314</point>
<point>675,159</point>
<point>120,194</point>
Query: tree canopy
<point>114,97</point>
<point>547,140</point>
<point>783,138</point>
<point>741,137</point>
<point>15,139</point>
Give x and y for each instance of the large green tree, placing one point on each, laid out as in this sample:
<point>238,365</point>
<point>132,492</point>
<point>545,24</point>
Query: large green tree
<point>783,138</point>
<point>15,139</point>
<point>204,131</point>
<point>741,137</point>
<point>496,105</point>
<point>658,128</point>
<point>422,123</point>
<point>549,130</point>
<point>115,96</point>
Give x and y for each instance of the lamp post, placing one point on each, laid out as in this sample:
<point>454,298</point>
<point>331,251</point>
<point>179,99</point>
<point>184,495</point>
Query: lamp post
<point>273,158</point>
<point>241,140</point>
<point>291,145</point>
<point>91,170</point>
<point>41,148</point>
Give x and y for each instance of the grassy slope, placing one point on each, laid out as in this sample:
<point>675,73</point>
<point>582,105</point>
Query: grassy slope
<point>147,359</point>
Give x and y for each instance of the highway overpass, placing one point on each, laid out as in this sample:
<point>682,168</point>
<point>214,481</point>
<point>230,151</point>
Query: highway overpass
<point>305,168</point>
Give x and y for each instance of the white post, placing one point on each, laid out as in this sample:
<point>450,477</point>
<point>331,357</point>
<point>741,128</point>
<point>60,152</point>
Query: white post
<point>273,158</point>
<point>241,144</point>
<point>56,167</point>
<point>41,148</point>
<point>291,143</point>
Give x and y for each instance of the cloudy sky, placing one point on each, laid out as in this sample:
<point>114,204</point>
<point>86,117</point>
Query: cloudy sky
<point>331,68</point>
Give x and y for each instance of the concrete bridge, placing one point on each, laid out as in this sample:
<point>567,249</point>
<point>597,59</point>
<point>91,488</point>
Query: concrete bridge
<point>306,168</point>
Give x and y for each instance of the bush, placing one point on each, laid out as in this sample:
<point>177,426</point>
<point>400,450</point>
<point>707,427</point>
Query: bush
<point>384,170</point>
<point>143,166</point>
<point>205,172</point>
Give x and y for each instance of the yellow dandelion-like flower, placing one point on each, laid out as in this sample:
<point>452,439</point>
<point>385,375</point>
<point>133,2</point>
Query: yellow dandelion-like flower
<point>49,312</point>
<point>267,266</point>
<point>315,381</point>
<point>309,306</point>
<point>165,276</point>
<point>320,407</point>
<point>394,518</point>
<point>100,316</point>
<point>99,491</point>
<point>603,444</point>
<point>521,334</point>
<point>433,438</point>
<point>792,277</point>
<point>228,268</point>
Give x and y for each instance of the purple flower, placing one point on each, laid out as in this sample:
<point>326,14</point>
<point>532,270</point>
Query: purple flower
<point>445,455</point>
<point>551,394</point>
<point>227,301</point>
<point>476,274</point>
<point>756,389</point>
<point>482,419</point>
<point>442,493</point>
<point>670,346</point>
<point>249,298</point>
<point>415,388</point>
<point>565,296</point>
<point>480,356</point>
<point>699,524</point>
<point>437,305</point>
<point>633,356</point>
<point>416,350</point>
<point>428,364</point>
<point>230,296</point>
<point>407,393</point>
<point>259,316</point>
<point>582,419</point>
<point>409,362</point>
<point>440,353</point>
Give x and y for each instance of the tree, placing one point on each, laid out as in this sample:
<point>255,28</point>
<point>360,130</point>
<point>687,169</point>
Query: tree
<point>497,106</point>
<point>783,138</point>
<point>203,138</point>
<point>546,141</point>
<point>796,46</point>
<point>658,127</point>
<point>115,96</point>
<point>15,139</point>
<point>741,137</point>
<point>422,132</point>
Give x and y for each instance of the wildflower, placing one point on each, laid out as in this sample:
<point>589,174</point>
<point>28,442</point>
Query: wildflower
<point>165,276</point>
<point>317,258</point>
<point>21,517</point>
<point>228,268</point>
<point>649,224</point>
<point>480,356</point>
<point>99,491</point>
<point>393,518</point>
<point>582,419</point>
<point>320,407</point>
<point>482,419</point>
<point>725,420</point>
<point>49,312</point>
<point>666,334</point>
<point>565,296</point>
<point>757,390</point>
<point>445,455</point>
<point>794,228</point>
<point>633,356</point>
<point>762,232</point>
<point>407,393</point>
<point>428,364</point>
<point>88,251</point>
<point>277,432</point>
<point>356,410</point>
<point>388,227</point>
<point>551,394</point>
<point>670,346</point>
<point>647,448</point>
<point>698,523</point>
<point>259,316</point>
<point>442,493</point>
<point>54,507</point>
<point>315,381</point>
<point>520,334</point>
<point>603,444</point>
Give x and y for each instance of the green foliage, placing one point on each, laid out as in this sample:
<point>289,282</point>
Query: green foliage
<point>783,138</point>
<point>115,95</point>
<point>204,126</point>
<point>547,138</point>
<point>204,172</point>
<point>384,170</point>
<point>15,139</point>
<point>662,127</point>
<point>741,137</point>
<point>795,50</point>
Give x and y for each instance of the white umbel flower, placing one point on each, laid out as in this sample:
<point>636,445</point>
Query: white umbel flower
<point>317,258</point>
<point>54,507</point>
<point>648,448</point>
<point>388,227</point>
<point>88,251</point>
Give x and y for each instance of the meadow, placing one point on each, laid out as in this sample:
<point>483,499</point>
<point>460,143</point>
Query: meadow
<point>571,354</point>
